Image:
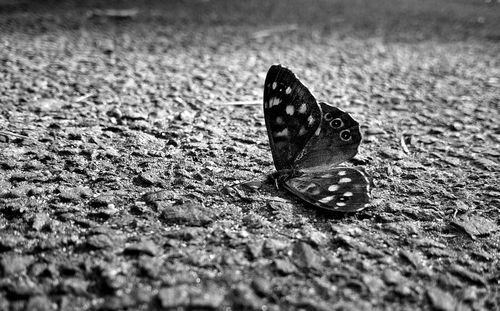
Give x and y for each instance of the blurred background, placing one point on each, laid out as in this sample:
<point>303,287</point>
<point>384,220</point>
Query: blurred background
<point>392,19</point>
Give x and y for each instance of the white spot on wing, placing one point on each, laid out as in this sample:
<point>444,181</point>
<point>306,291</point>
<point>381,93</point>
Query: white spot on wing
<point>344,180</point>
<point>340,204</point>
<point>315,191</point>
<point>310,120</point>
<point>282,133</point>
<point>333,188</point>
<point>274,85</point>
<point>318,131</point>
<point>326,199</point>
<point>302,131</point>
<point>342,173</point>
<point>288,90</point>
<point>348,194</point>
<point>303,108</point>
<point>290,109</point>
<point>275,101</point>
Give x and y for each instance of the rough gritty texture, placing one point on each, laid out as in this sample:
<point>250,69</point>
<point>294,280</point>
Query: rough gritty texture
<point>120,156</point>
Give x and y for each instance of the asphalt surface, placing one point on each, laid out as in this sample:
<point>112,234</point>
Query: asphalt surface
<point>126,135</point>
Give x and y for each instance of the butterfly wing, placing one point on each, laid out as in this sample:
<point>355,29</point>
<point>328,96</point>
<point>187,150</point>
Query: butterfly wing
<point>340,189</point>
<point>335,141</point>
<point>291,113</point>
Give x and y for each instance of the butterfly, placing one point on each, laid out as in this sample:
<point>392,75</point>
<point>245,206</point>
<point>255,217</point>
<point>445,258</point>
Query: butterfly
<point>308,141</point>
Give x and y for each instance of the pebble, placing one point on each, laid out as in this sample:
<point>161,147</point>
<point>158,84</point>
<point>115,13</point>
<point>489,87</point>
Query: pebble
<point>306,257</point>
<point>40,303</point>
<point>191,214</point>
<point>163,195</point>
<point>476,225</point>
<point>146,247</point>
<point>255,249</point>
<point>441,300</point>
<point>392,277</point>
<point>244,298</point>
<point>103,200</point>
<point>284,266</point>
<point>262,287</point>
<point>40,220</point>
<point>9,241</point>
<point>99,241</point>
<point>273,246</point>
<point>174,297</point>
<point>468,275</point>
<point>11,265</point>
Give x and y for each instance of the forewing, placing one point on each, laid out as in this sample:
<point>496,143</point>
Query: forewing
<point>291,113</point>
<point>335,141</point>
<point>340,189</point>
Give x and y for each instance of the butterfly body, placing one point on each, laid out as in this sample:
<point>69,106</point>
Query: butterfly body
<point>308,141</point>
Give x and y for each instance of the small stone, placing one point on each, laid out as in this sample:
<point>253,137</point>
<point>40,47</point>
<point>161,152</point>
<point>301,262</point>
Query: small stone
<point>255,249</point>
<point>441,300</point>
<point>305,256</point>
<point>103,200</point>
<point>210,298</point>
<point>187,116</point>
<point>120,302</point>
<point>244,298</point>
<point>40,220</point>
<point>185,234</point>
<point>111,279</point>
<point>470,293</point>
<point>40,303</point>
<point>457,126</point>
<point>163,195</point>
<point>22,288</point>
<point>174,297</point>
<point>262,287</point>
<point>427,242</point>
<point>284,266</point>
<point>273,246</point>
<point>147,247</point>
<point>99,241</point>
<point>45,105</point>
<point>75,286</point>
<point>147,179</point>
<point>68,195</point>
<point>74,194</point>
<point>402,290</point>
<point>392,277</point>
<point>150,266</point>
<point>392,153</point>
<point>9,241</point>
<point>476,225</point>
<point>468,275</point>
<point>35,191</point>
<point>13,264</point>
<point>486,164</point>
<point>317,238</point>
<point>254,221</point>
<point>413,258</point>
<point>190,213</point>
<point>375,131</point>
<point>373,283</point>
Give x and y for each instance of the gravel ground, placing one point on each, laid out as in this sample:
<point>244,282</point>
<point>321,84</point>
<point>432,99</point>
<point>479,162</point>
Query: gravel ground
<point>124,141</point>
